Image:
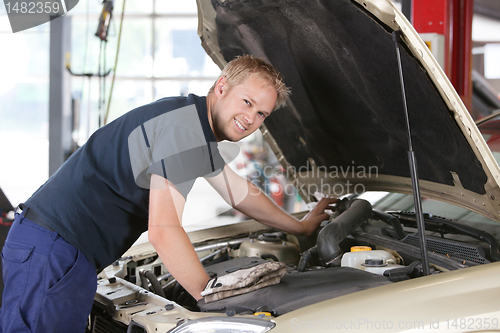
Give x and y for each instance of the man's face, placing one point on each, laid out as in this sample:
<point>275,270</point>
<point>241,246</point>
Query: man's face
<point>239,111</point>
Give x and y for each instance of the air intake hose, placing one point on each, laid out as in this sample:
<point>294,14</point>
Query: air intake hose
<point>354,213</point>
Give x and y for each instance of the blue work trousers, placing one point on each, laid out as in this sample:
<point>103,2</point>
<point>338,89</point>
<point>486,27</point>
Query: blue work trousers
<point>49,284</point>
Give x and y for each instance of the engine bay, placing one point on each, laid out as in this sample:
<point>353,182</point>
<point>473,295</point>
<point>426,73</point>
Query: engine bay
<point>359,248</point>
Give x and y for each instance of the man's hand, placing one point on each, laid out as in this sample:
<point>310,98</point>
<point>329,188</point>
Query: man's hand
<point>317,215</point>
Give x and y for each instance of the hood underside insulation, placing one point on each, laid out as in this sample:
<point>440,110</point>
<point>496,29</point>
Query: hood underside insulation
<point>346,107</point>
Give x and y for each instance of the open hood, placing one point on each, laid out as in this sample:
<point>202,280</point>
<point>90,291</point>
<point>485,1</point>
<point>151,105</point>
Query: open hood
<point>344,128</point>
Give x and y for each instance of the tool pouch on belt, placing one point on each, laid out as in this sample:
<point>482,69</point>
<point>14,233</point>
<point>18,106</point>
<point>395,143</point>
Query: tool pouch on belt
<point>244,281</point>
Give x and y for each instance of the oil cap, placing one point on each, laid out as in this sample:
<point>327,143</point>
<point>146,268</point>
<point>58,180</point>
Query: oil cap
<point>360,248</point>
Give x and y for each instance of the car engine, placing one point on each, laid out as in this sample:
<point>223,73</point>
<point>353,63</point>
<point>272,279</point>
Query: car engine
<point>357,249</point>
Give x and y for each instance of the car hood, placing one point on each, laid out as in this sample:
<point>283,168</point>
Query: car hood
<point>343,129</point>
<point>436,303</point>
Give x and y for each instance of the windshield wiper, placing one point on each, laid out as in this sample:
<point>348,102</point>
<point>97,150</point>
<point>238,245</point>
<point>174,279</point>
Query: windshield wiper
<point>444,225</point>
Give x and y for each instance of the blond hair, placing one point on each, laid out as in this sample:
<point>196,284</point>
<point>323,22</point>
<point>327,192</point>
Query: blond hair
<point>241,67</point>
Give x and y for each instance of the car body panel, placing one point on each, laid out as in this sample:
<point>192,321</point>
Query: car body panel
<point>459,301</point>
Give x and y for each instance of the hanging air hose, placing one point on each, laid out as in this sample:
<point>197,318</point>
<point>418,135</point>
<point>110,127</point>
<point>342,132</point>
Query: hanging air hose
<point>116,63</point>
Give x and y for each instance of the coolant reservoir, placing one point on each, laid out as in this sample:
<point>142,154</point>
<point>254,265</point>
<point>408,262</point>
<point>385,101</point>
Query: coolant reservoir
<point>356,259</point>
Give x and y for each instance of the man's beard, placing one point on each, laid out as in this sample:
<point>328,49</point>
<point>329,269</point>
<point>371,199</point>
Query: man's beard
<point>219,130</point>
<point>218,126</point>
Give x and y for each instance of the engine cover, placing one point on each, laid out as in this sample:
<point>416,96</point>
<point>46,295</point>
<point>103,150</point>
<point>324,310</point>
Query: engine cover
<point>296,289</point>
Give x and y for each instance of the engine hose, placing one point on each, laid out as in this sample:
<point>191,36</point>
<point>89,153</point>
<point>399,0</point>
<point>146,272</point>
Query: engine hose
<point>147,275</point>
<point>177,292</point>
<point>305,257</point>
<point>144,281</point>
<point>392,220</point>
<point>356,212</point>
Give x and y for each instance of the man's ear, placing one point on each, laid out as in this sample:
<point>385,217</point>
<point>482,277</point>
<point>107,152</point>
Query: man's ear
<point>220,86</point>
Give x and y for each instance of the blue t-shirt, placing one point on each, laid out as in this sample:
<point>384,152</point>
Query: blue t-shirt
<point>98,199</point>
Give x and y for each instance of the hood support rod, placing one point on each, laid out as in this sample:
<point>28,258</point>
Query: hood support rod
<point>413,166</point>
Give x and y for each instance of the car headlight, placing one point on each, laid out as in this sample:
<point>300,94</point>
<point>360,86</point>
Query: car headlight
<point>224,325</point>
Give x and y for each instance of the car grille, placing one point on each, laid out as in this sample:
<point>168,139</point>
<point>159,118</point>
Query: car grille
<point>104,325</point>
<point>453,249</point>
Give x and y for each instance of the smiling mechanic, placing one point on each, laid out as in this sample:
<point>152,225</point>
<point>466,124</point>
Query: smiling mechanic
<point>135,170</point>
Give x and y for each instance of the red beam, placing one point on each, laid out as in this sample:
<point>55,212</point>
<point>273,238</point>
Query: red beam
<point>459,47</point>
<point>453,19</point>
<point>429,16</point>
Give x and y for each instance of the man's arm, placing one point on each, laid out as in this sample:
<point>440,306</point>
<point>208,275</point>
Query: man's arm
<point>244,196</point>
<point>170,240</point>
